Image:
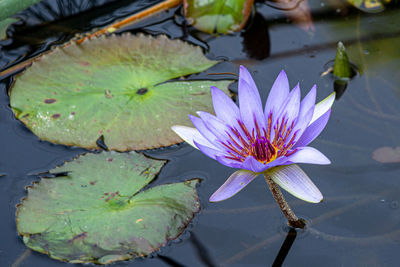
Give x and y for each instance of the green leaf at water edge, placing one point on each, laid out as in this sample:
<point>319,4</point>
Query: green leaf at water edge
<point>11,7</point>
<point>220,16</point>
<point>99,213</point>
<point>113,87</point>
<point>4,24</point>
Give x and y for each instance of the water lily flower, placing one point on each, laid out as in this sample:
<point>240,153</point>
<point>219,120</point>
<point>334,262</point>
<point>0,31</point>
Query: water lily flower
<point>265,141</point>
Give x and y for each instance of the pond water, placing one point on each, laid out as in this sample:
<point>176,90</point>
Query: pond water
<point>358,224</point>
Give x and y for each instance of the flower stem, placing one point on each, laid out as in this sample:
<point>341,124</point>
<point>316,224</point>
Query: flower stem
<point>293,221</point>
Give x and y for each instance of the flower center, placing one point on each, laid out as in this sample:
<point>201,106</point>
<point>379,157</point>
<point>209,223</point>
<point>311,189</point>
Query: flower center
<point>258,143</point>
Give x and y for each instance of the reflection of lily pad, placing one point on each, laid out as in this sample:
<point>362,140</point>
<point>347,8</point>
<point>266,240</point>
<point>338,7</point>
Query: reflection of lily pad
<point>113,87</point>
<point>221,16</point>
<point>98,213</point>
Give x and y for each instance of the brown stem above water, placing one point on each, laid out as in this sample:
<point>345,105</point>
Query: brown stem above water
<point>293,221</point>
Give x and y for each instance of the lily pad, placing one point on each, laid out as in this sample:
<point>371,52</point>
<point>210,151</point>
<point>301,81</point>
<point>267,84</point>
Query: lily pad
<point>11,7</point>
<point>221,16</point>
<point>4,24</point>
<point>96,210</point>
<point>113,87</point>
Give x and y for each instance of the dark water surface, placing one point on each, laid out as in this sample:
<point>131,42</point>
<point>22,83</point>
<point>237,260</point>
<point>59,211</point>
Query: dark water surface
<point>358,224</point>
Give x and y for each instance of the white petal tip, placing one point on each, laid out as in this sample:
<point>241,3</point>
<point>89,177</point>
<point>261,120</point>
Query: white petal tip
<point>296,182</point>
<point>314,200</point>
<point>322,107</point>
<point>186,133</point>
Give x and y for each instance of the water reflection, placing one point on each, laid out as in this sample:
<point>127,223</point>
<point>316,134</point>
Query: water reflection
<point>256,41</point>
<point>170,261</point>
<point>287,244</point>
<point>201,251</point>
<point>340,88</point>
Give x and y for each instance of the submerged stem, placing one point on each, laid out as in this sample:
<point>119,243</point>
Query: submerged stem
<point>293,221</point>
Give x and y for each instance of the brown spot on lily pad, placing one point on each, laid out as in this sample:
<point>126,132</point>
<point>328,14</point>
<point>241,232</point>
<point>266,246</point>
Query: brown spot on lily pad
<point>108,94</point>
<point>50,101</point>
<point>199,93</point>
<point>142,91</point>
<point>78,237</point>
<point>56,116</point>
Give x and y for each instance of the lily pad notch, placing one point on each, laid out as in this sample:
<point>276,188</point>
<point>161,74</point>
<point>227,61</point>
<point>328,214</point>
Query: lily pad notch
<point>100,213</point>
<point>117,87</point>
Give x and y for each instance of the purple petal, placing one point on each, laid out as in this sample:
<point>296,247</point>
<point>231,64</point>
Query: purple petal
<point>236,182</point>
<point>279,161</point>
<point>189,134</point>
<point>209,152</point>
<point>251,164</point>
<point>219,128</point>
<point>245,75</point>
<point>296,182</point>
<point>301,125</point>
<point>290,108</point>
<point>308,101</point>
<point>202,128</point>
<point>323,106</point>
<point>313,130</point>
<point>224,107</point>
<point>305,113</point>
<point>309,155</point>
<point>229,162</point>
<point>250,101</point>
<point>278,94</point>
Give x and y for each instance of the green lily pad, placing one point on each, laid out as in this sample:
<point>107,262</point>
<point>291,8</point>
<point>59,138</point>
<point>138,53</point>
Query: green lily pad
<point>113,87</point>
<point>11,7</point>
<point>221,16</point>
<point>97,211</point>
<point>4,24</point>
